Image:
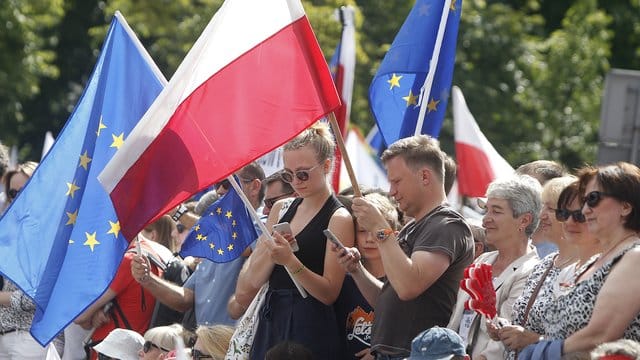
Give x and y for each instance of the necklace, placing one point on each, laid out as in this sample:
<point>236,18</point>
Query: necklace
<point>605,254</point>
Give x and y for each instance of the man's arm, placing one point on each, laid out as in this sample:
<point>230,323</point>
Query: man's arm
<point>176,297</point>
<point>410,277</point>
<point>85,318</point>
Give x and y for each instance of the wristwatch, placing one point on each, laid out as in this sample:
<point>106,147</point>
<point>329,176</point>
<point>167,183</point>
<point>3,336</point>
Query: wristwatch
<point>383,234</point>
<point>181,210</point>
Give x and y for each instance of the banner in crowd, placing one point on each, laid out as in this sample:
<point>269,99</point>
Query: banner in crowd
<point>60,239</point>
<point>254,79</point>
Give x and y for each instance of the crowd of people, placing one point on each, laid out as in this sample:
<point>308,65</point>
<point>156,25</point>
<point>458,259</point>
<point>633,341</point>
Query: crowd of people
<point>562,249</point>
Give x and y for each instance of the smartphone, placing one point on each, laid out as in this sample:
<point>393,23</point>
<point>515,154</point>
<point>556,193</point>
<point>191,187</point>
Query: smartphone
<point>285,228</point>
<point>333,238</point>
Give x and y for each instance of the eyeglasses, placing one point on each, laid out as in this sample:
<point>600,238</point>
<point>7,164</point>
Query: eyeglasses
<point>593,198</point>
<point>268,203</point>
<point>197,354</point>
<point>12,193</point>
<point>148,345</point>
<point>226,184</point>
<point>563,215</point>
<point>302,175</point>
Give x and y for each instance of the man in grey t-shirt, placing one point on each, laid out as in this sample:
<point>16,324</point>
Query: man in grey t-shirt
<point>424,263</point>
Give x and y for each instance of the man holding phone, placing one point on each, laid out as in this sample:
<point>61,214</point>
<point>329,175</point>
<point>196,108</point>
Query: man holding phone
<point>424,263</point>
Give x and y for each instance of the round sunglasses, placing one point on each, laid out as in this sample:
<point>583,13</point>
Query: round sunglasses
<point>302,175</point>
<point>268,203</point>
<point>563,215</point>
<point>148,345</point>
<point>593,198</point>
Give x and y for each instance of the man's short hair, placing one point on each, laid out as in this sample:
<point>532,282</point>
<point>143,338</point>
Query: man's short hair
<point>417,151</point>
<point>542,170</point>
<point>4,160</point>
<point>254,171</point>
<point>277,177</point>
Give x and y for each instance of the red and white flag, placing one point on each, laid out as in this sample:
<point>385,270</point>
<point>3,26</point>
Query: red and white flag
<point>254,79</point>
<point>478,161</point>
<point>343,67</point>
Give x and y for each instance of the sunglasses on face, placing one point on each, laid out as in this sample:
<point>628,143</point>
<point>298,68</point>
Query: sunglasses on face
<point>302,175</point>
<point>593,198</point>
<point>12,193</point>
<point>563,215</point>
<point>148,345</point>
<point>268,203</point>
<point>197,354</point>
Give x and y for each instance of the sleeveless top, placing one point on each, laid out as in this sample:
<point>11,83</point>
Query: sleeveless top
<point>572,312</point>
<point>311,241</point>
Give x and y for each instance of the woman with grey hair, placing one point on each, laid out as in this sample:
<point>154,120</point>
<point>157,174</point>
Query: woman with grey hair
<point>513,212</point>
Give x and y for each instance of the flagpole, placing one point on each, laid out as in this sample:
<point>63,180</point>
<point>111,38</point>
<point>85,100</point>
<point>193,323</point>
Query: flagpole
<point>263,228</point>
<point>433,64</point>
<point>343,150</point>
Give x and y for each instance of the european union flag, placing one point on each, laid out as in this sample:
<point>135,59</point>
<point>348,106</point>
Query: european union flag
<point>223,232</point>
<point>60,240</point>
<point>395,92</point>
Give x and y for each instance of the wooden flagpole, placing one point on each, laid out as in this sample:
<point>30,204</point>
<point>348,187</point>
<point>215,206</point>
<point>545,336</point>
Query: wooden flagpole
<point>345,157</point>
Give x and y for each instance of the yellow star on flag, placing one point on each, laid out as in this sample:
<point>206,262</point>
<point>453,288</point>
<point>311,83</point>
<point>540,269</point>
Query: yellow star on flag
<point>432,105</point>
<point>72,217</point>
<point>71,241</point>
<point>394,81</point>
<point>91,240</point>
<point>197,227</point>
<point>114,228</point>
<point>85,160</point>
<point>212,245</point>
<point>219,211</point>
<point>228,214</point>
<point>453,5</point>
<point>100,126</point>
<point>220,251</point>
<point>230,247</point>
<point>117,140</point>
<point>199,237</point>
<point>204,238</point>
<point>233,223</point>
<point>234,235</point>
<point>410,99</point>
<point>72,188</point>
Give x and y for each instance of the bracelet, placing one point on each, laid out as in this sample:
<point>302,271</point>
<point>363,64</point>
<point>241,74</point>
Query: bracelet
<point>298,270</point>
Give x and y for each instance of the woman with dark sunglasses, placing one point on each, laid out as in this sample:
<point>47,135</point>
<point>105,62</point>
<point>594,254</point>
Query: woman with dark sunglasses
<point>285,315</point>
<point>159,341</point>
<point>562,206</point>
<point>603,303</point>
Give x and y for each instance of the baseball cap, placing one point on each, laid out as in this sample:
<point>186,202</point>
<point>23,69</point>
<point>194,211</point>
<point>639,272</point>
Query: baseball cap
<point>437,344</point>
<point>121,344</point>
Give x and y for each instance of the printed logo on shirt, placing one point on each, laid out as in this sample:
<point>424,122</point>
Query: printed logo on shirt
<point>359,325</point>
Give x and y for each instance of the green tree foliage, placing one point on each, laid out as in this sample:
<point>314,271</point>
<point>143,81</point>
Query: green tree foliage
<point>531,70</point>
<point>27,39</point>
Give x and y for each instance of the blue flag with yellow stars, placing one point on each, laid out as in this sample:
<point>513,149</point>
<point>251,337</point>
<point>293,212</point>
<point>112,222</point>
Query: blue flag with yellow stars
<point>394,94</point>
<point>60,240</point>
<point>223,232</point>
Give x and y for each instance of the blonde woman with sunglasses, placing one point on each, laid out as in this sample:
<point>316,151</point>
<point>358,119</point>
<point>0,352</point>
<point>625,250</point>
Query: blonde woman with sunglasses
<point>603,304</point>
<point>285,315</point>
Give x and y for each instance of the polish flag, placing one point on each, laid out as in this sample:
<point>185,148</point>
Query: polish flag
<point>478,161</point>
<point>254,79</point>
<point>343,65</point>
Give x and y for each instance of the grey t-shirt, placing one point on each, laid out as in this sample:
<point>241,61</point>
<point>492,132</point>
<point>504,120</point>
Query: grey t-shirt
<point>397,322</point>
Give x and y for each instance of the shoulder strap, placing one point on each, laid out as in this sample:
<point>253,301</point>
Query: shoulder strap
<point>536,290</point>
<point>286,204</point>
<point>117,308</point>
